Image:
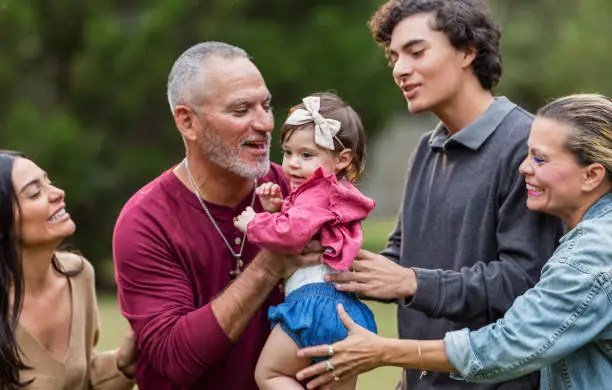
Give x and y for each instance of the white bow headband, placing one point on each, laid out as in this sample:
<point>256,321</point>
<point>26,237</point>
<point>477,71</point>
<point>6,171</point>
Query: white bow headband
<point>325,129</point>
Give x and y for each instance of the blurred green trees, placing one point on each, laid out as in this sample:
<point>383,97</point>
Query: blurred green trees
<point>82,82</point>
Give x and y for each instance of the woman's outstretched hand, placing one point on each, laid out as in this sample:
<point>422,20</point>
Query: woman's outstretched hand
<point>361,351</point>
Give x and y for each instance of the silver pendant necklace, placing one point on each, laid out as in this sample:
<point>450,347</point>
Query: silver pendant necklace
<point>238,256</point>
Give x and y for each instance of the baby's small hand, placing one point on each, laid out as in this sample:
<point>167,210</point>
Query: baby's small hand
<point>270,197</point>
<point>244,218</point>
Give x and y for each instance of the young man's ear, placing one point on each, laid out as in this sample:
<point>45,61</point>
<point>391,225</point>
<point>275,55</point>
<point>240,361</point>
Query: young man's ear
<point>185,118</point>
<point>343,159</point>
<point>594,175</point>
<point>469,55</point>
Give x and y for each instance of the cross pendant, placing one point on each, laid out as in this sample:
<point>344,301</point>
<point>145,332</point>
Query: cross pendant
<point>236,272</point>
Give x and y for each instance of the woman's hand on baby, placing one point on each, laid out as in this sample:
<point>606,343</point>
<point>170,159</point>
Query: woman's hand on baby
<point>242,221</point>
<point>270,197</point>
<point>359,352</point>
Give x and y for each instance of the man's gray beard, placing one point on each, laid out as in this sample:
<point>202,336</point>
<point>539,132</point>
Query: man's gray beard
<point>227,157</point>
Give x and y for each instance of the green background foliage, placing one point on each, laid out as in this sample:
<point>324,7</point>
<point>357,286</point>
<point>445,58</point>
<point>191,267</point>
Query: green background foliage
<point>82,82</point>
<point>82,88</point>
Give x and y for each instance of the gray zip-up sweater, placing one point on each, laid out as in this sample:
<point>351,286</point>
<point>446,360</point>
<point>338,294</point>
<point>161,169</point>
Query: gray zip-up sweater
<point>465,229</point>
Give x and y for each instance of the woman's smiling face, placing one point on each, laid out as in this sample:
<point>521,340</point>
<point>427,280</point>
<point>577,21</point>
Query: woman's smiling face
<point>552,174</point>
<point>43,219</point>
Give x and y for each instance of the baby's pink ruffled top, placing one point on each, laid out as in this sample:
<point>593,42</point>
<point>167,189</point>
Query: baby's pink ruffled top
<point>322,205</point>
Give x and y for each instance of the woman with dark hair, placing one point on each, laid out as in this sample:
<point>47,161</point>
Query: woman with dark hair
<point>48,309</point>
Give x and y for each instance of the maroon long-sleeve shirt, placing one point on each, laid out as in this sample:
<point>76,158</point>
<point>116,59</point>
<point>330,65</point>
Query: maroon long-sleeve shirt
<point>170,262</point>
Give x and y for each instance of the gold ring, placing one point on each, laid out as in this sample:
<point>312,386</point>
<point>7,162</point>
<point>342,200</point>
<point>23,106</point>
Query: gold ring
<point>330,350</point>
<point>330,366</point>
<point>336,377</point>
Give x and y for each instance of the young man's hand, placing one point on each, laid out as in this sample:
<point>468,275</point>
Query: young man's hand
<point>374,276</point>
<point>270,197</point>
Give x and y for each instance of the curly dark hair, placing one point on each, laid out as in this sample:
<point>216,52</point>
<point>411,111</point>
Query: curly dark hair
<point>466,23</point>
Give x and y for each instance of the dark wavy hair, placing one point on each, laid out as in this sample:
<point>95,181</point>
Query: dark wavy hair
<point>466,23</point>
<point>11,275</point>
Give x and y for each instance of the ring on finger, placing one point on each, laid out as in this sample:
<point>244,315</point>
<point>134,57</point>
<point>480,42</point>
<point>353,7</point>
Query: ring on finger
<point>330,366</point>
<point>336,377</point>
<point>330,350</point>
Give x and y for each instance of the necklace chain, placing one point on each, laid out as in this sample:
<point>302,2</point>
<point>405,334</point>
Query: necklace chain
<point>237,256</point>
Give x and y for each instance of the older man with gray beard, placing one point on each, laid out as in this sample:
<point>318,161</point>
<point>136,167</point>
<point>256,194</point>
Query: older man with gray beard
<point>194,290</point>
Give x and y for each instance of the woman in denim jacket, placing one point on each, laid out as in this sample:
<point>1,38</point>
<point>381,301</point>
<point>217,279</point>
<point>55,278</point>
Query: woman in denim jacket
<point>563,325</point>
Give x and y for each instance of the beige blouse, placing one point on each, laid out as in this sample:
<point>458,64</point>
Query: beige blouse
<point>82,368</point>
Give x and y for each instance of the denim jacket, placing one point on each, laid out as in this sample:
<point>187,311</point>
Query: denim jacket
<point>563,325</point>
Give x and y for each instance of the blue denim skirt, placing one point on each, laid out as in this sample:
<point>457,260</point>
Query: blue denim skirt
<point>309,315</point>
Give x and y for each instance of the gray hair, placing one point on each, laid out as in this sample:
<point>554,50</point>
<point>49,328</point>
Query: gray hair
<point>188,67</point>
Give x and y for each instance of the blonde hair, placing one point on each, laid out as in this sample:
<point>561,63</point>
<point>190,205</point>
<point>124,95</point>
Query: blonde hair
<point>590,116</point>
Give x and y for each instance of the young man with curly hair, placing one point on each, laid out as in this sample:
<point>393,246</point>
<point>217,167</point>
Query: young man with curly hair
<point>465,246</point>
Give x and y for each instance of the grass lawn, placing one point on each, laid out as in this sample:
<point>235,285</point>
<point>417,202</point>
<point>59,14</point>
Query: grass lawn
<point>113,325</point>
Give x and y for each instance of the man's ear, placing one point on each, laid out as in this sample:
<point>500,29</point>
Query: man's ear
<point>593,176</point>
<point>185,120</point>
<point>469,55</point>
<point>343,159</point>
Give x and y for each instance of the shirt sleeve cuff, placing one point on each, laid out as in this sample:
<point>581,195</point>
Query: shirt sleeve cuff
<point>203,326</point>
<point>460,354</point>
<point>426,297</point>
